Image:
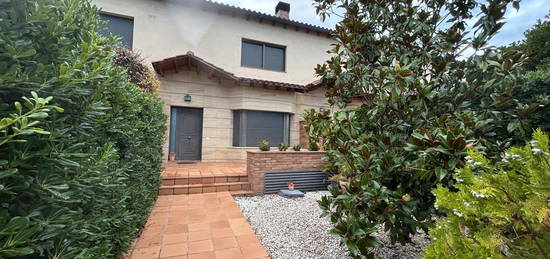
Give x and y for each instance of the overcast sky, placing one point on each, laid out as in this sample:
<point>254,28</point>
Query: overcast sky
<point>302,10</point>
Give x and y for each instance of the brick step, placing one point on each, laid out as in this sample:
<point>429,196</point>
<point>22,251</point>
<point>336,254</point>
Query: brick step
<point>241,193</point>
<point>186,180</point>
<point>204,188</point>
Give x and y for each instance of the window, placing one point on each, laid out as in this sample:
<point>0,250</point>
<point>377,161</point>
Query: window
<point>262,55</point>
<point>119,26</point>
<point>251,127</point>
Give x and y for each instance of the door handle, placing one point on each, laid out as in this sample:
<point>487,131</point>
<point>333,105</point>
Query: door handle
<point>188,137</point>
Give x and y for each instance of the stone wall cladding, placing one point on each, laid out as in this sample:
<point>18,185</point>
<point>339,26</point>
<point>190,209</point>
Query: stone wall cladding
<point>258,163</point>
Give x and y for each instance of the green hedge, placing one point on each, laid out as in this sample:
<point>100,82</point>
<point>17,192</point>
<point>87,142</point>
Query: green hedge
<point>75,182</point>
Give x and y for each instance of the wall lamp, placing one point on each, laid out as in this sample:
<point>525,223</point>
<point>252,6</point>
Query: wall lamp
<point>187,98</point>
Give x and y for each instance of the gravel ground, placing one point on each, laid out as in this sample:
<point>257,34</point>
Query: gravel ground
<point>291,228</point>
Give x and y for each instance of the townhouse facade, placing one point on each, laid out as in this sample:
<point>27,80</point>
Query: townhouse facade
<point>229,77</point>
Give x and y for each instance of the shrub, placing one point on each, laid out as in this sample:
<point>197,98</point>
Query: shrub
<point>264,145</point>
<point>283,147</point>
<point>81,184</point>
<point>423,105</point>
<point>536,89</point>
<point>500,210</point>
<point>297,147</point>
<point>313,146</point>
<point>138,73</point>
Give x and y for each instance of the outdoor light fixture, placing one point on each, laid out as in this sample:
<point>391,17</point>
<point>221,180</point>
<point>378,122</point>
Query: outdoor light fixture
<point>321,109</point>
<point>187,98</point>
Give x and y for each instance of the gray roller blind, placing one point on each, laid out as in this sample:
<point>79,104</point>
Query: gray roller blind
<point>274,58</point>
<point>119,26</point>
<point>252,54</point>
<point>251,127</point>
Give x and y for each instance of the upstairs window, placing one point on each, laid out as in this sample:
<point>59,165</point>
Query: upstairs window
<point>119,26</point>
<point>262,55</point>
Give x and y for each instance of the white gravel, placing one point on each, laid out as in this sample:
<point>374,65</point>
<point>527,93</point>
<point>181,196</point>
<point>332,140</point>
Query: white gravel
<point>291,228</point>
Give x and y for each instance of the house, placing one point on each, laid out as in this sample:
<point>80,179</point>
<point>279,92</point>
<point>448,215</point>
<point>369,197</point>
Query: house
<point>230,77</point>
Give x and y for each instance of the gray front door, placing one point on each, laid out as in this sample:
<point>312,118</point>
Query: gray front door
<point>188,133</point>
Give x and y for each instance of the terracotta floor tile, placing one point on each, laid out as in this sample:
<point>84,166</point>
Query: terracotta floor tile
<point>163,203</point>
<point>178,220</point>
<point>205,255</point>
<point>224,243</point>
<point>160,209</point>
<point>200,246</point>
<point>153,230</point>
<point>198,226</point>
<point>146,253</point>
<point>180,202</point>
<point>234,215</point>
<point>253,251</point>
<point>243,231</point>
<point>232,253</point>
<point>247,240</point>
<point>175,229</point>
<point>222,232</point>
<point>239,221</point>
<point>196,212</point>
<point>219,224</point>
<point>200,235</point>
<point>179,208</point>
<point>149,240</point>
<point>173,250</point>
<point>174,238</point>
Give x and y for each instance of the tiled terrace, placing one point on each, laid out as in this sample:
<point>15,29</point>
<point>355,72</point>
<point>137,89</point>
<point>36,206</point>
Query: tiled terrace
<point>203,169</point>
<point>204,178</point>
<point>206,225</point>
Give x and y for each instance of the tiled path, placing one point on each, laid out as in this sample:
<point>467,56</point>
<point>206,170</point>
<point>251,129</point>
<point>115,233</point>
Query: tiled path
<point>207,225</point>
<point>200,169</point>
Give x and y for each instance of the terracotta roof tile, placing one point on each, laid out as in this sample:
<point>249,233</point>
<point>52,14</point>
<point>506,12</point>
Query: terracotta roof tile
<point>190,61</point>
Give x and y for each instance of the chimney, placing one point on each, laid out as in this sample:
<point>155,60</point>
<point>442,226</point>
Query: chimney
<point>282,9</point>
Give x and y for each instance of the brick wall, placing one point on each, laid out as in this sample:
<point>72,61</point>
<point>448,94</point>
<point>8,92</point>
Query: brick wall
<point>258,163</point>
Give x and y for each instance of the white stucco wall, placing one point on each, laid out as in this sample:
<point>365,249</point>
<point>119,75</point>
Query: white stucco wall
<point>166,28</point>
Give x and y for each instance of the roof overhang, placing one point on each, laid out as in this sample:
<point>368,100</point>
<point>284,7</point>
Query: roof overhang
<point>191,62</point>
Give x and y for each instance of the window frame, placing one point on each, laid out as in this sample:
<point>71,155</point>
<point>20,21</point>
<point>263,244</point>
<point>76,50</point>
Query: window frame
<point>264,45</point>
<point>240,128</point>
<point>120,16</point>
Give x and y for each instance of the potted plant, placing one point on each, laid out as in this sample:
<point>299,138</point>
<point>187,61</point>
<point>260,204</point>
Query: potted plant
<point>283,147</point>
<point>297,147</point>
<point>290,185</point>
<point>264,145</point>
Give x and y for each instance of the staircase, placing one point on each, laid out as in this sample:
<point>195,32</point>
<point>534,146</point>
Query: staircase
<point>236,184</point>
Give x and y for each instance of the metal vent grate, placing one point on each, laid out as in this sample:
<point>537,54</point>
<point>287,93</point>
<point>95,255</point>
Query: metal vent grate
<point>303,181</point>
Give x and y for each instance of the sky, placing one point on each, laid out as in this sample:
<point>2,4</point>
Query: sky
<point>517,21</point>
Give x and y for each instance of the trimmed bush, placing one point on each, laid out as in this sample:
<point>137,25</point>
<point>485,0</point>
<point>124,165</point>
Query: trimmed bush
<point>297,147</point>
<point>500,210</point>
<point>81,184</point>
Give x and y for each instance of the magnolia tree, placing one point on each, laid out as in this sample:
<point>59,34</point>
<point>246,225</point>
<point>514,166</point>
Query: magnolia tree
<point>422,104</point>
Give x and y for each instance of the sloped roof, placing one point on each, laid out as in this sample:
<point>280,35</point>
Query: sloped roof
<point>191,62</point>
<point>210,4</point>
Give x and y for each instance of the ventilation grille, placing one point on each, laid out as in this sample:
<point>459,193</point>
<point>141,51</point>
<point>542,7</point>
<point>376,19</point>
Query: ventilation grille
<point>303,181</point>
